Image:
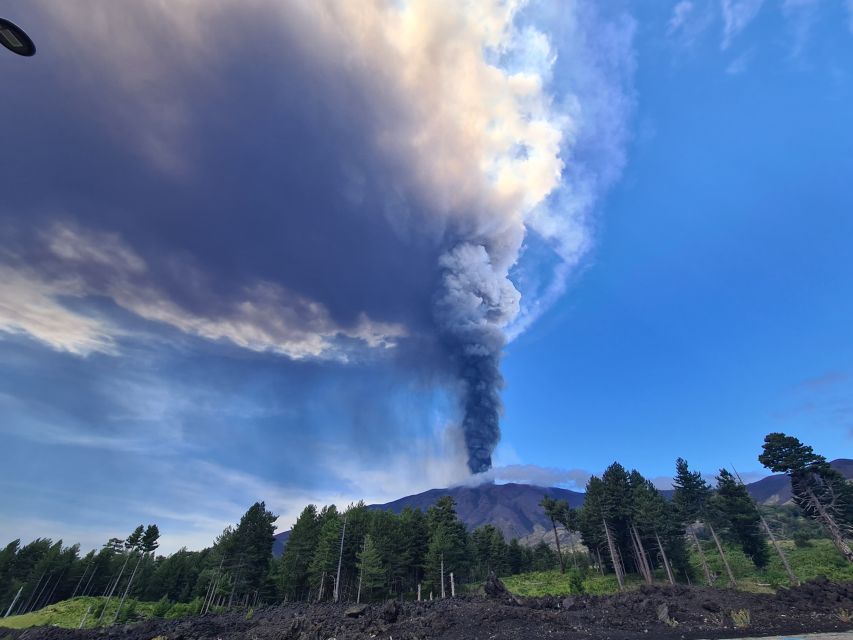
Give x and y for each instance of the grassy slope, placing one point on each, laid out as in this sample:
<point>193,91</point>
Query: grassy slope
<point>819,559</point>
<point>69,613</point>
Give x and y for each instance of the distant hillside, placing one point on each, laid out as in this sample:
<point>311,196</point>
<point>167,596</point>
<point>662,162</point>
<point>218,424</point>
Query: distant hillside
<point>777,489</point>
<point>514,508</point>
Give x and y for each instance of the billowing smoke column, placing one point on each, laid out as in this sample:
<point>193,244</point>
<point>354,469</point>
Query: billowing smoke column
<point>473,305</point>
<point>425,140</point>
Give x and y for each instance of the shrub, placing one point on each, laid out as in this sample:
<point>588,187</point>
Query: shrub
<point>802,539</point>
<point>161,608</point>
<point>576,586</point>
<point>742,618</point>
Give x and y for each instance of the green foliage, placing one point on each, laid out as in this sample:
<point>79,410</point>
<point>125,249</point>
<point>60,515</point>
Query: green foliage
<point>692,493</point>
<point>554,583</point>
<point>371,573</point>
<point>161,608</point>
<point>802,539</point>
<point>576,585</point>
<point>298,554</point>
<point>69,613</point>
<point>740,520</point>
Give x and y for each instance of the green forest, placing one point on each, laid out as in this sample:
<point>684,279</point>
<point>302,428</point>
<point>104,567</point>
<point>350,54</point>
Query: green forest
<point>708,533</point>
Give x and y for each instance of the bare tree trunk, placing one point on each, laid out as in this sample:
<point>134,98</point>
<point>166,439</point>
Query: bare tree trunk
<point>795,581</point>
<point>792,577</point>
<point>559,553</point>
<point>89,582</point>
<point>34,606</point>
<point>702,557</point>
<point>18,595</point>
<point>112,590</point>
<point>442,576</point>
<point>322,585</point>
<point>55,585</point>
<point>29,599</point>
<point>452,586</point>
<point>665,560</point>
<point>85,615</point>
<point>831,526</point>
<point>732,581</point>
<point>127,588</point>
<point>614,556</point>
<point>340,558</point>
<point>642,562</point>
<point>80,581</point>
<point>600,563</point>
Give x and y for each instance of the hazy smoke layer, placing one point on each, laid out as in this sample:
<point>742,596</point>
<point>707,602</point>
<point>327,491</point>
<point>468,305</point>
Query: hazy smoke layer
<point>333,180</point>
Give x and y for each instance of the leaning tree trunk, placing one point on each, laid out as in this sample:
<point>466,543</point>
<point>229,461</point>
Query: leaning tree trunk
<point>666,564</point>
<point>795,581</point>
<point>642,563</point>
<point>559,552</point>
<point>113,588</point>
<point>702,557</point>
<point>831,526</point>
<point>127,588</point>
<point>732,581</point>
<point>617,563</point>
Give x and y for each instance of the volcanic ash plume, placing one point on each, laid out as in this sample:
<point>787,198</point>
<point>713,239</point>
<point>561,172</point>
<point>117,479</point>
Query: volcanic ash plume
<point>474,303</point>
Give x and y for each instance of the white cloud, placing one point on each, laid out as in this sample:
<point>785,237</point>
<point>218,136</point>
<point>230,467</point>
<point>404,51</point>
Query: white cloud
<point>801,16</point>
<point>739,64</point>
<point>680,13</point>
<point>261,317</point>
<point>737,14</point>
<point>30,305</point>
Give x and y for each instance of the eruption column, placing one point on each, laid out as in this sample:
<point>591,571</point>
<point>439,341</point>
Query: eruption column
<point>474,303</point>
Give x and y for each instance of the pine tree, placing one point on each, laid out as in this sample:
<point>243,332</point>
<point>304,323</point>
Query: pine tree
<point>742,520</point>
<point>325,560</point>
<point>553,510</point>
<point>254,537</point>
<point>371,574</point>
<point>298,554</point>
<point>448,544</point>
<point>515,557</point>
<point>819,490</point>
<point>693,500</point>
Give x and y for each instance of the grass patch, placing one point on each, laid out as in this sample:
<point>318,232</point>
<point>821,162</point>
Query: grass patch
<point>820,558</point>
<point>69,613</point>
<point>554,583</point>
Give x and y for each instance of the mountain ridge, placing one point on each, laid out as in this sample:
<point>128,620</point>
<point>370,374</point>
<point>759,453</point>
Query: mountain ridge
<point>514,508</point>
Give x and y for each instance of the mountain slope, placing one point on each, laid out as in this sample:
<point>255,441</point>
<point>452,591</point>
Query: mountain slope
<point>514,508</point>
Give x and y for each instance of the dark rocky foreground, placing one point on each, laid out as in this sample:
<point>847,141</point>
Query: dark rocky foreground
<point>652,612</point>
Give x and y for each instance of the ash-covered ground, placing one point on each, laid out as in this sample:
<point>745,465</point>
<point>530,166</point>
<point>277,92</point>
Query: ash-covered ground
<point>652,612</point>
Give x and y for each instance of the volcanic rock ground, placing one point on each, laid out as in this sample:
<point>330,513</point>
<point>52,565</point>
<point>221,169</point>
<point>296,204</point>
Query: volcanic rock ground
<point>667,613</point>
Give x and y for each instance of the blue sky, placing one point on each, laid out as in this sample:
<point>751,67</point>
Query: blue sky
<point>229,278</point>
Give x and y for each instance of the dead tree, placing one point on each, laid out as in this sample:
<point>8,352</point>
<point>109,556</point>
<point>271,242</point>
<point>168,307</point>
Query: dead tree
<point>666,564</point>
<point>732,581</point>
<point>702,557</point>
<point>617,562</point>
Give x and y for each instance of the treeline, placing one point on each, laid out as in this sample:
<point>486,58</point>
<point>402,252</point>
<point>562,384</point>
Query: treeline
<point>629,526</point>
<point>369,554</point>
<point>236,569</point>
<point>363,553</point>
<point>626,526</point>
